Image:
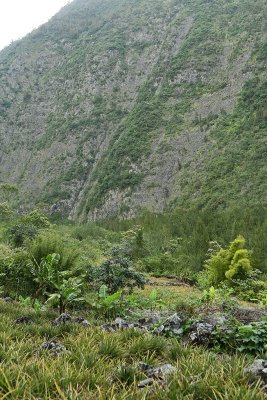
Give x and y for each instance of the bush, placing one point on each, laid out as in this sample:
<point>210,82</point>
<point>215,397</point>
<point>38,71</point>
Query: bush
<point>49,243</point>
<point>27,228</point>
<point>117,273</point>
<point>228,264</point>
<point>250,289</point>
<point>15,272</point>
<point>20,233</point>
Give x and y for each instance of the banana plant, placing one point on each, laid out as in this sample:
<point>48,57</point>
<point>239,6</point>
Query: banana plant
<point>67,291</point>
<point>58,286</point>
<point>44,273</point>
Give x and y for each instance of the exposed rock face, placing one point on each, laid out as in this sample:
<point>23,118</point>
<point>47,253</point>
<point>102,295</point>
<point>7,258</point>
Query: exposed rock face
<point>156,323</point>
<point>115,106</point>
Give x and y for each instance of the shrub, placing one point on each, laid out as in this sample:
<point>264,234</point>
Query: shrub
<point>27,228</point>
<point>117,273</point>
<point>37,219</point>
<point>50,243</point>
<point>15,272</point>
<point>252,288</point>
<point>19,233</point>
<point>228,264</point>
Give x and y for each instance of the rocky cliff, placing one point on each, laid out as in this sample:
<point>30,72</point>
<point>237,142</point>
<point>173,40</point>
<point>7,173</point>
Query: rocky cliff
<point>118,105</point>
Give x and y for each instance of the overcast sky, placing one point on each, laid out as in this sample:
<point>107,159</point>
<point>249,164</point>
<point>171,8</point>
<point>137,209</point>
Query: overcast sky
<point>19,17</point>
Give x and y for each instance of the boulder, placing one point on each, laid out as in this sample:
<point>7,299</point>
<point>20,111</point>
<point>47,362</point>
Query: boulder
<point>54,347</point>
<point>156,376</point>
<point>258,370</point>
<point>8,300</point>
<point>201,331</point>
<point>62,319</point>
<point>81,321</point>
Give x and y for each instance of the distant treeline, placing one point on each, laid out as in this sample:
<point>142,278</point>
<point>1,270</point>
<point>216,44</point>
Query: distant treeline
<point>197,228</point>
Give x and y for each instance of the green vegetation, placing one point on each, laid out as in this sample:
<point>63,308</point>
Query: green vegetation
<point>119,109</point>
<point>98,365</point>
<point>226,265</point>
<point>95,272</point>
<point>179,84</point>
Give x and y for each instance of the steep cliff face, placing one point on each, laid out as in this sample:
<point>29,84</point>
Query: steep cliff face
<point>118,105</point>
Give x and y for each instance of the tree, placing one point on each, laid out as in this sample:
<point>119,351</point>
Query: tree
<point>228,264</point>
<point>28,227</point>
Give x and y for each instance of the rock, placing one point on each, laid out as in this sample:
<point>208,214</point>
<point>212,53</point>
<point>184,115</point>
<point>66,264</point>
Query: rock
<point>109,327</point>
<point>24,320</point>
<point>62,319</point>
<point>174,320</point>
<point>247,315</point>
<point>159,330</point>
<point>151,317</point>
<point>85,322</point>
<point>144,367</point>
<point>258,370</point>
<point>145,383</point>
<point>54,347</point>
<point>177,332</point>
<point>81,321</point>
<point>201,333</point>
<point>172,325</point>
<point>121,323</point>
<point>155,375</point>
<point>161,372</point>
<point>8,300</point>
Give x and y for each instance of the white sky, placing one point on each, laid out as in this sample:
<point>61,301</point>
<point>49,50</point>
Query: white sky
<point>19,17</point>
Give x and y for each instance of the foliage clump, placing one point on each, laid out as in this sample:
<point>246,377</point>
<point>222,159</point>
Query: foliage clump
<point>117,273</point>
<point>224,265</point>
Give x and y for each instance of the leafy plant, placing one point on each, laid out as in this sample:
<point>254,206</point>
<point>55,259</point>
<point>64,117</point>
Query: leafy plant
<point>45,273</point>
<point>252,337</point>
<point>107,304</point>
<point>60,288</point>
<point>66,291</point>
<point>153,300</point>
<point>209,296</point>
<point>27,301</point>
<point>19,233</point>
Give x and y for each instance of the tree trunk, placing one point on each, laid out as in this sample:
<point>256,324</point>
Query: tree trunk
<point>61,306</point>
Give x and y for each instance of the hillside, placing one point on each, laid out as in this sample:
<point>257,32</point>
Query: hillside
<point>116,106</point>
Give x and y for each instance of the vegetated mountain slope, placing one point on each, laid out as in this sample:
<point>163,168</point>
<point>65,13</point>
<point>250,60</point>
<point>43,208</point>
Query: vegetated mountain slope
<point>118,105</point>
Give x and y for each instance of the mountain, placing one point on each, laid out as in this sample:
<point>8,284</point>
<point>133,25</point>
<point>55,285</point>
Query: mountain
<point>115,106</point>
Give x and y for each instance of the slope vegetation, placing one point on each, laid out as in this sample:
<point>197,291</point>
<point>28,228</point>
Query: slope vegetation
<point>116,106</point>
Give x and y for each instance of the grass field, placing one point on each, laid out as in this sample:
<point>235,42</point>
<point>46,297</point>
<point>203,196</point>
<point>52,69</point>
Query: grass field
<point>101,365</point>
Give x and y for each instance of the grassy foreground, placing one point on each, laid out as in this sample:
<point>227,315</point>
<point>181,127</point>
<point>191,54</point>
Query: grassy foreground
<point>101,365</point>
